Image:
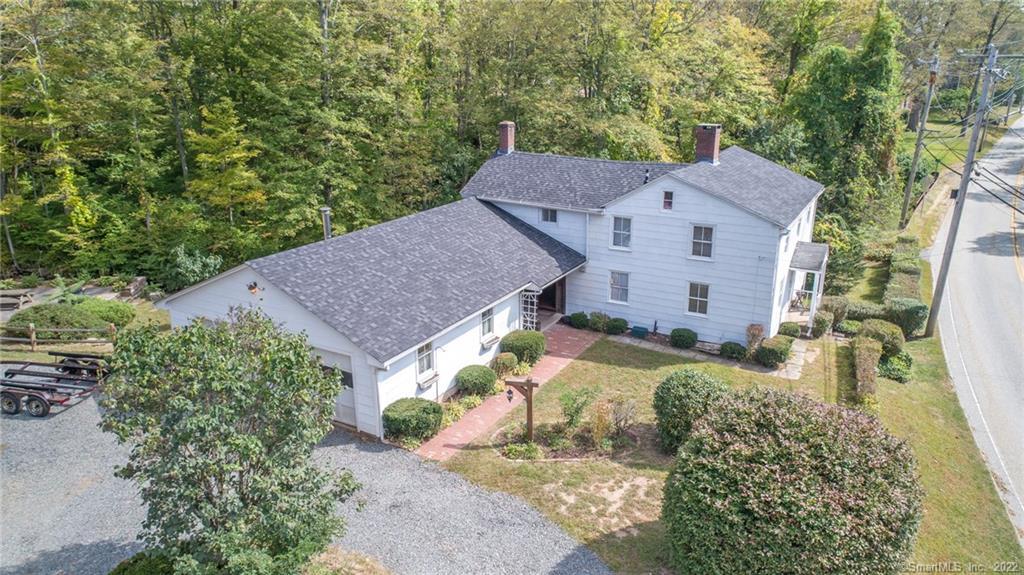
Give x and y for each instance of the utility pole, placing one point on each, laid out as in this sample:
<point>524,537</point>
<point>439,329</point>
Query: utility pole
<point>933,72</point>
<point>988,69</point>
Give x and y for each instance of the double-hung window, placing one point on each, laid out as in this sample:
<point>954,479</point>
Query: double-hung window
<point>619,282</point>
<point>550,216</point>
<point>425,361</point>
<point>702,241</point>
<point>666,200</point>
<point>331,371</point>
<point>487,323</point>
<point>622,232</point>
<point>698,301</point>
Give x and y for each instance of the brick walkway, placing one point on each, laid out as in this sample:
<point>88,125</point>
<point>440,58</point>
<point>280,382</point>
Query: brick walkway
<point>564,345</point>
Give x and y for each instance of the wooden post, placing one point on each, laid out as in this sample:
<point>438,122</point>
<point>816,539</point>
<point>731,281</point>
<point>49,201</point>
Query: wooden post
<point>113,331</point>
<point>32,336</point>
<point>526,388</point>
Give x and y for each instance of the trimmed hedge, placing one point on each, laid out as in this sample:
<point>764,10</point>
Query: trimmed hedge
<point>598,321</point>
<point>902,285</point>
<point>866,353</point>
<point>775,482</point>
<point>115,312</point>
<point>616,326</point>
<point>733,350</point>
<point>56,315</point>
<point>910,314</point>
<point>774,351</point>
<point>836,305</point>
<point>822,323</point>
<point>503,363</point>
<point>897,367</point>
<point>680,400</point>
<point>476,379</point>
<point>528,346</point>
<point>848,327</point>
<point>862,310</point>
<point>579,320</point>
<point>682,338</point>
<point>888,334</point>
<point>143,563</point>
<point>413,418</point>
<point>790,328</point>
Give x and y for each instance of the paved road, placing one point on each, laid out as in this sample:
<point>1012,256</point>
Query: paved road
<point>982,320</point>
<point>62,511</point>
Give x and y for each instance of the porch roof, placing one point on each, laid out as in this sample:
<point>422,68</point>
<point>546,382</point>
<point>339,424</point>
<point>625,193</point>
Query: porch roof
<point>809,257</point>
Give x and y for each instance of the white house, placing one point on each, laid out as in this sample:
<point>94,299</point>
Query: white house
<point>400,307</point>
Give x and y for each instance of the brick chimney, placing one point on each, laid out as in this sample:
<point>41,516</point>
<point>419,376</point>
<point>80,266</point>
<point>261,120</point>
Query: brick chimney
<point>708,138</point>
<point>506,138</point>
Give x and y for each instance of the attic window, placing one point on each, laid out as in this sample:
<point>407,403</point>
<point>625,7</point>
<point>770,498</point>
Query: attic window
<point>666,200</point>
<point>548,215</point>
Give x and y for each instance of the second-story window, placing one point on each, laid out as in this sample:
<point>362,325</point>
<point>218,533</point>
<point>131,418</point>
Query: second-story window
<point>666,200</point>
<point>702,241</point>
<point>622,232</point>
<point>547,215</point>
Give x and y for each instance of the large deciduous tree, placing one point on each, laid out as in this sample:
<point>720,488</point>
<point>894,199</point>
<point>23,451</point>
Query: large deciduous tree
<point>221,421</point>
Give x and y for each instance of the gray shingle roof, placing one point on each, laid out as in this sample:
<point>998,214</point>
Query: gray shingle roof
<point>809,256</point>
<point>394,285</point>
<point>753,183</point>
<point>560,181</point>
<point>743,178</point>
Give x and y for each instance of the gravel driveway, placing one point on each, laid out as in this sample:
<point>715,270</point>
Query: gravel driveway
<point>63,511</point>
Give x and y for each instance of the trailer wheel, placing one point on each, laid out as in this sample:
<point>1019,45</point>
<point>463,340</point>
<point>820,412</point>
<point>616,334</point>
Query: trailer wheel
<point>10,403</point>
<point>37,406</point>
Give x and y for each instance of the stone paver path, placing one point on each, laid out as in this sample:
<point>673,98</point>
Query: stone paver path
<point>792,370</point>
<point>564,345</point>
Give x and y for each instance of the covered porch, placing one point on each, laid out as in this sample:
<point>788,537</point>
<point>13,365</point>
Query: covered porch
<point>542,307</point>
<point>806,282</point>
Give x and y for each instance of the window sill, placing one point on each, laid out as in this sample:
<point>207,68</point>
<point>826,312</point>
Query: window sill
<point>700,259</point>
<point>618,302</point>
<point>620,249</point>
<point>489,341</point>
<point>695,314</point>
<point>427,381</point>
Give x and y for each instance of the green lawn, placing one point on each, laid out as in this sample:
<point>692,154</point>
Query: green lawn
<point>871,285</point>
<point>613,504</point>
<point>943,139</point>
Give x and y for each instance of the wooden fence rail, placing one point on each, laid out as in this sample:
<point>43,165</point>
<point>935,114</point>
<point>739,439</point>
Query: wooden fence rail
<point>34,341</point>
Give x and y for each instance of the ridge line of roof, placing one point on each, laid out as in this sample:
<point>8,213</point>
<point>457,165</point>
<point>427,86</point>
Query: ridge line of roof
<point>585,159</point>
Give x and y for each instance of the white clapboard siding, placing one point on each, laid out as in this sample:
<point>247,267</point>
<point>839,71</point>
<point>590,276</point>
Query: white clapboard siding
<point>213,299</point>
<point>455,349</point>
<point>741,273</point>
<point>571,228</point>
<point>801,229</point>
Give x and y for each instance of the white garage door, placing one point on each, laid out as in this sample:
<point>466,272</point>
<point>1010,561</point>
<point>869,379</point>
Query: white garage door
<point>345,403</point>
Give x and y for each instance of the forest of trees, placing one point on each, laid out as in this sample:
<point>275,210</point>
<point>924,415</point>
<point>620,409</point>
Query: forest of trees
<point>161,137</point>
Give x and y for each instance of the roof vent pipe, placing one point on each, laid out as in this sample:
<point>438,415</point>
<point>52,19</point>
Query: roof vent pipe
<point>325,217</point>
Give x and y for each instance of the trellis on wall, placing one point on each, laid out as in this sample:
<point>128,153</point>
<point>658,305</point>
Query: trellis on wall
<point>528,308</point>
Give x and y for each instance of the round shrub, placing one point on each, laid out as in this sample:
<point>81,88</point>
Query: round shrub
<point>579,320</point>
<point>683,338</point>
<point>775,482</point>
<point>862,310</point>
<point>504,363</point>
<point>821,324</point>
<point>476,380</point>
<point>598,321</point>
<point>836,305</point>
<point>888,334</point>
<point>56,315</point>
<point>413,418</point>
<point>680,400</point>
<point>908,313</point>
<point>774,351</point>
<point>848,327</point>
<point>527,345</point>
<point>897,367</point>
<point>790,328</point>
<point>733,350</point>
<point>115,312</point>
<point>616,326</point>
